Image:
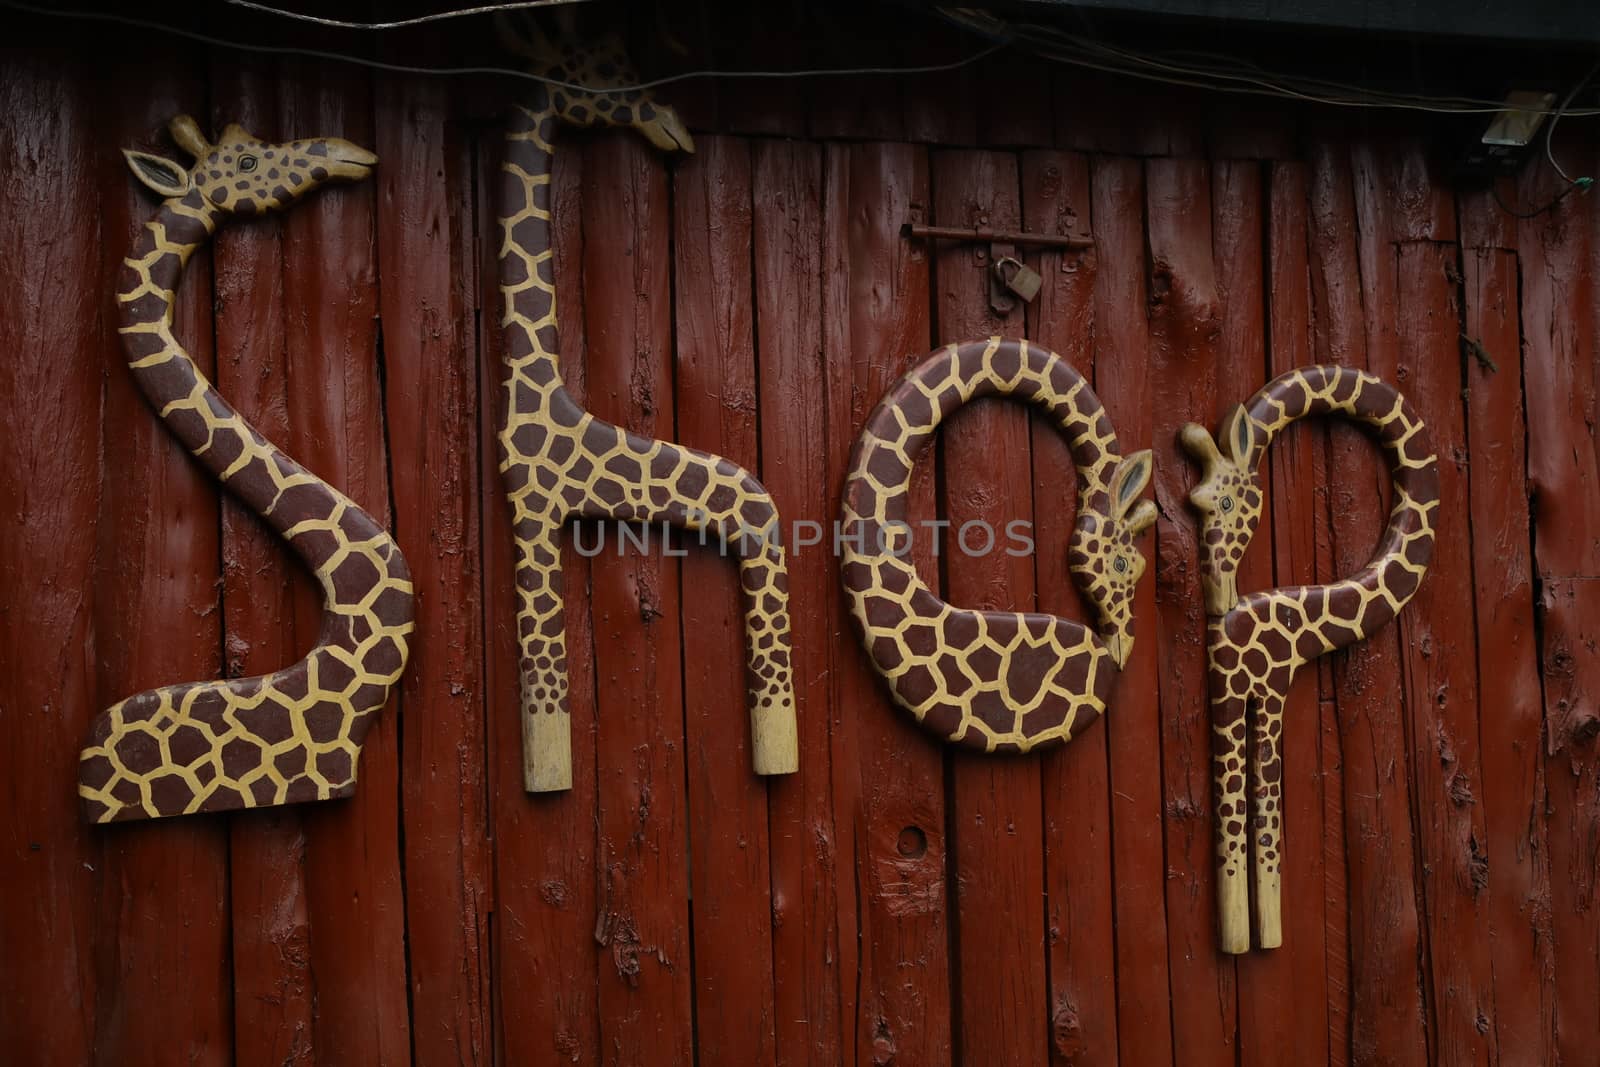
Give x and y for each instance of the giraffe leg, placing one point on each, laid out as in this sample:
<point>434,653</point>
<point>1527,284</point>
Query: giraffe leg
<point>542,656</point>
<point>764,582</point>
<point>1233,850</point>
<point>697,491</point>
<point>1266,795</point>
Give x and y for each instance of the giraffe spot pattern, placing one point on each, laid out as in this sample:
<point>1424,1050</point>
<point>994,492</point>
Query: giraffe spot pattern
<point>558,462</point>
<point>991,680</point>
<point>296,734</point>
<point>1256,645</point>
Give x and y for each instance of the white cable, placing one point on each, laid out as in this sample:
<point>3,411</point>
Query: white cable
<point>437,16</point>
<point>1550,127</point>
<point>402,68</point>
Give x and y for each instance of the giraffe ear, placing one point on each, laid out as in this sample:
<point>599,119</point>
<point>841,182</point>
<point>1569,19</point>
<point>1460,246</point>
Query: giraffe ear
<point>1142,517</point>
<point>1239,436</point>
<point>158,173</point>
<point>1129,480</point>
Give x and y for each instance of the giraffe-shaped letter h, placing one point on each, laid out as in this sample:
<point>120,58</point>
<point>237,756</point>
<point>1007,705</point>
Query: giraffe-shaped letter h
<point>1256,644</point>
<point>559,462</point>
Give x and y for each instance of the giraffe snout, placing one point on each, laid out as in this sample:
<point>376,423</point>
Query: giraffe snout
<point>349,161</point>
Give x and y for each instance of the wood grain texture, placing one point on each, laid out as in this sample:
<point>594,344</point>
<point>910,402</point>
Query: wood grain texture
<point>333,337</point>
<point>431,387</point>
<point>546,997</point>
<point>1186,336</point>
<point>1133,731</point>
<point>877,326</point>
<point>270,933</point>
<point>1082,963</point>
<point>50,482</point>
<point>645,973</point>
<point>813,899</point>
<point>162,911</point>
<point>1509,696</point>
<point>1440,684</point>
<point>995,808</point>
<point>729,858</point>
<point>1297,496</point>
<point>1557,253</point>
<point>888,904</point>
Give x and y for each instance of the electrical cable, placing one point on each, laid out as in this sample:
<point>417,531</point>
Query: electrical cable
<point>1064,47</point>
<point>420,20</point>
<point>403,68</point>
<point>1550,127</point>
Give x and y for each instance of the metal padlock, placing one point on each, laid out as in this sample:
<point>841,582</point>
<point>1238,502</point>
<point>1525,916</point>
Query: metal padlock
<point>1018,277</point>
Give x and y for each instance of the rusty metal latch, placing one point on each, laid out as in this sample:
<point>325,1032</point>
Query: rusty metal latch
<point>1009,277</point>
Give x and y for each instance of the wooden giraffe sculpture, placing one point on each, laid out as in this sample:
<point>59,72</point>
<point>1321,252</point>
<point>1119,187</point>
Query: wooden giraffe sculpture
<point>1256,644</point>
<point>296,734</point>
<point>559,462</point>
<point>997,681</point>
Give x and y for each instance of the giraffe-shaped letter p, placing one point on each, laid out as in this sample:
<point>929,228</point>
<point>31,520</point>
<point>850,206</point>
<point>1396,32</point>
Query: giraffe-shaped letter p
<point>1256,643</point>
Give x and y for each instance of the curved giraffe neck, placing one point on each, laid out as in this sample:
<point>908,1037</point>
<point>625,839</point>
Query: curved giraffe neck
<point>255,470</point>
<point>292,735</point>
<point>991,680</point>
<point>908,417</point>
<point>1377,592</point>
<point>527,257</point>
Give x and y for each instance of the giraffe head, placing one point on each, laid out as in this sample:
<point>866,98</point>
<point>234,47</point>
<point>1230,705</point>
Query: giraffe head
<point>242,174</point>
<point>601,66</point>
<point>1228,499</point>
<point>1103,559</point>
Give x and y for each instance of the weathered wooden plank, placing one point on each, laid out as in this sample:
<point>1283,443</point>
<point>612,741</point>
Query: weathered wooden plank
<point>1557,255</point>
<point>1338,990</point>
<point>876,325</point>
<point>355,911</point>
<point>644,966</point>
<point>1001,998</point>
<point>1440,681</point>
<point>1240,357</point>
<point>272,1006</point>
<point>1082,963</point>
<point>1291,1012</point>
<point>1186,331</point>
<point>546,1002</point>
<point>431,393</point>
<point>716,410</point>
<point>50,482</point>
<point>1354,291</point>
<point>162,928</point>
<point>1509,694</point>
<point>1133,729</point>
<point>811,895</point>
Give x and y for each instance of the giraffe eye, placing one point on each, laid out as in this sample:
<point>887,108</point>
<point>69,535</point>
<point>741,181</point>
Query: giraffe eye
<point>1120,564</point>
<point>1227,503</point>
<point>247,164</point>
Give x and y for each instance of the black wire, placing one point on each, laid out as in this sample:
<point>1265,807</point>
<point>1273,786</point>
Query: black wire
<point>1536,212</point>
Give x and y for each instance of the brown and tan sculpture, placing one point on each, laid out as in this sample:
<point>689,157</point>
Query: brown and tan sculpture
<point>992,680</point>
<point>294,735</point>
<point>559,462</point>
<point>1257,643</point>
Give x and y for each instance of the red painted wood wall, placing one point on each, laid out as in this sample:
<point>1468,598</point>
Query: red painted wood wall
<point>894,902</point>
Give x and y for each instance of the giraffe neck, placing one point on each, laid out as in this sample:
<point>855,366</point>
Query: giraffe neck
<point>527,260</point>
<point>1344,612</point>
<point>252,468</point>
<point>907,419</point>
